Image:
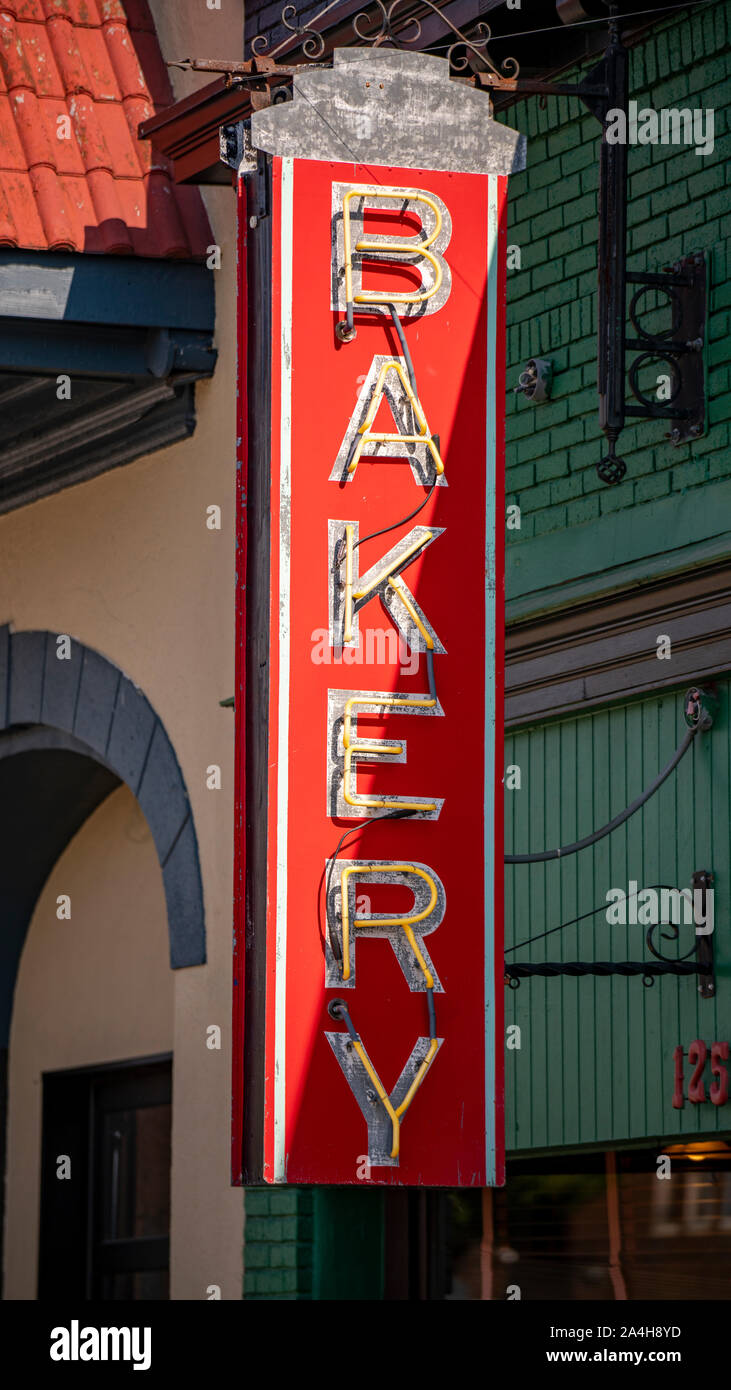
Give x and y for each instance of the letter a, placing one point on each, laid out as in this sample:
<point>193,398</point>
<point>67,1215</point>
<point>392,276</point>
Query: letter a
<point>388,381</point>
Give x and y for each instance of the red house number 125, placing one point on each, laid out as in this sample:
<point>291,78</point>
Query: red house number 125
<point>697,1054</point>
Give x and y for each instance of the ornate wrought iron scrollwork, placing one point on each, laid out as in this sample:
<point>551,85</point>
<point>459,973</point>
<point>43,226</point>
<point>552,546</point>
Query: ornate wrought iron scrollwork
<point>396,28</point>
<point>671,935</point>
<point>701,951</point>
<point>385,33</point>
<point>313,45</point>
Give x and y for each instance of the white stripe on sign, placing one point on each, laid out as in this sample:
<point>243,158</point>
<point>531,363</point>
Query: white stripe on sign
<point>285,489</point>
<point>490,657</point>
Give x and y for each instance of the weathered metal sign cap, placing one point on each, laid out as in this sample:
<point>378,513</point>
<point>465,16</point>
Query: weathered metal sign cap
<point>379,106</point>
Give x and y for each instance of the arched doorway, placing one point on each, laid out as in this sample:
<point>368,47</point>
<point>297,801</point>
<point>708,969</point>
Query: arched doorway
<point>89,1072</point>
<point>76,735</point>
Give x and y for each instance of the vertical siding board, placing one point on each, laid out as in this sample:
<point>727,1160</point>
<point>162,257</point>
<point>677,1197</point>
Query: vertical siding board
<point>521,1068</point>
<point>685,813</point>
<point>671,873</point>
<point>509,880</point>
<point>672,989</point>
<point>720,854</point>
<point>709,1025</point>
<point>597,878</point>
<point>568,942</point>
<point>706,1010</point>
<point>559,1014</point>
<point>534,1017</point>
<point>617,778</point>
<point>655,756</point>
<point>638,775</point>
<point>513,1058</point>
<point>674,863</point>
<point>634,1003</point>
<point>546,1079</point>
<point>579,946</point>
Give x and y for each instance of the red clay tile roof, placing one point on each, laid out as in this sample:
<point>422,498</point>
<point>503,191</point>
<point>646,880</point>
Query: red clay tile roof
<point>76,79</point>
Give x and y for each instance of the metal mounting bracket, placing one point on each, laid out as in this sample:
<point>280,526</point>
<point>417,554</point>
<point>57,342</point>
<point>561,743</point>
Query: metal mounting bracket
<point>699,960</point>
<point>702,883</point>
<point>684,285</point>
<point>680,346</point>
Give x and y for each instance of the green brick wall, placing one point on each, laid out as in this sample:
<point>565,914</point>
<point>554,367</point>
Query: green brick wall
<point>278,1243</point>
<point>676,205</point>
<point>322,1243</point>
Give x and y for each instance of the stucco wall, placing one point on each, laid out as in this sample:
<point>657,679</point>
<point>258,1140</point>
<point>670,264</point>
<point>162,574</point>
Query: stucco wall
<point>126,564</point>
<point>195,29</point>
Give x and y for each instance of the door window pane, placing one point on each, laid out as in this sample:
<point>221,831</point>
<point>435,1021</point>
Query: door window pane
<point>106,1234</point>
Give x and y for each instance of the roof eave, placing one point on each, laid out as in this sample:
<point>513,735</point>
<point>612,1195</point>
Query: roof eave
<point>187,132</point>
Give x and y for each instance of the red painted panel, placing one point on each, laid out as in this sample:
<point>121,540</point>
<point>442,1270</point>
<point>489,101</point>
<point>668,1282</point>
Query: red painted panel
<point>451,1134</point>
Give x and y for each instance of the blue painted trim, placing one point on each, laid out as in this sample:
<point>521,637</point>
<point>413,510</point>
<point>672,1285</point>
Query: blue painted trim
<point>90,350</point>
<point>119,290</point>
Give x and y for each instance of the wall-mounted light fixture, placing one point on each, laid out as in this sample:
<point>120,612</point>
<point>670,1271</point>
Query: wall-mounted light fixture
<point>536,380</point>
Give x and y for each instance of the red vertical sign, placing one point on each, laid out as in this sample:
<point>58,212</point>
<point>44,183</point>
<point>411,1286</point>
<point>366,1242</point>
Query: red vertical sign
<point>384,1035</point>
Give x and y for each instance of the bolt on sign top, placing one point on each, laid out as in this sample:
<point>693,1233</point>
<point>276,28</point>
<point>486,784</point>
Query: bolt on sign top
<point>371,979</point>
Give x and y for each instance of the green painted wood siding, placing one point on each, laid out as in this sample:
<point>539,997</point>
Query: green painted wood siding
<point>596,1061</point>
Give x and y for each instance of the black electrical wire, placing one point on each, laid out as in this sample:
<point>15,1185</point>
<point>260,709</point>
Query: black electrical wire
<point>398,814</point>
<point>338,557</point>
<point>352,830</point>
<point>340,548</point>
<point>404,347</point>
<point>401,522</point>
<point>579,24</point>
<point>430,674</point>
<point>617,821</point>
<point>592,913</point>
<point>432,1011</point>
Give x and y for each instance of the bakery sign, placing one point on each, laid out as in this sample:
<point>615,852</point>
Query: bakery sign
<point>378,1056</point>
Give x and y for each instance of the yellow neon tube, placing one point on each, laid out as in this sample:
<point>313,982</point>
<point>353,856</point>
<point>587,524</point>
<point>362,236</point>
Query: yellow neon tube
<point>408,701</point>
<point>377,803</point>
<point>366,436</point>
<point>421,1073</point>
<point>385,368</point>
<point>398,296</point>
<point>389,248</point>
<point>410,937</point>
<point>397,586</point>
<point>396,563</point>
<point>352,750</point>
<point>405,922</point>
<point>395,1115</point>
<point>367,1063</point>
<point>348,617</point>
